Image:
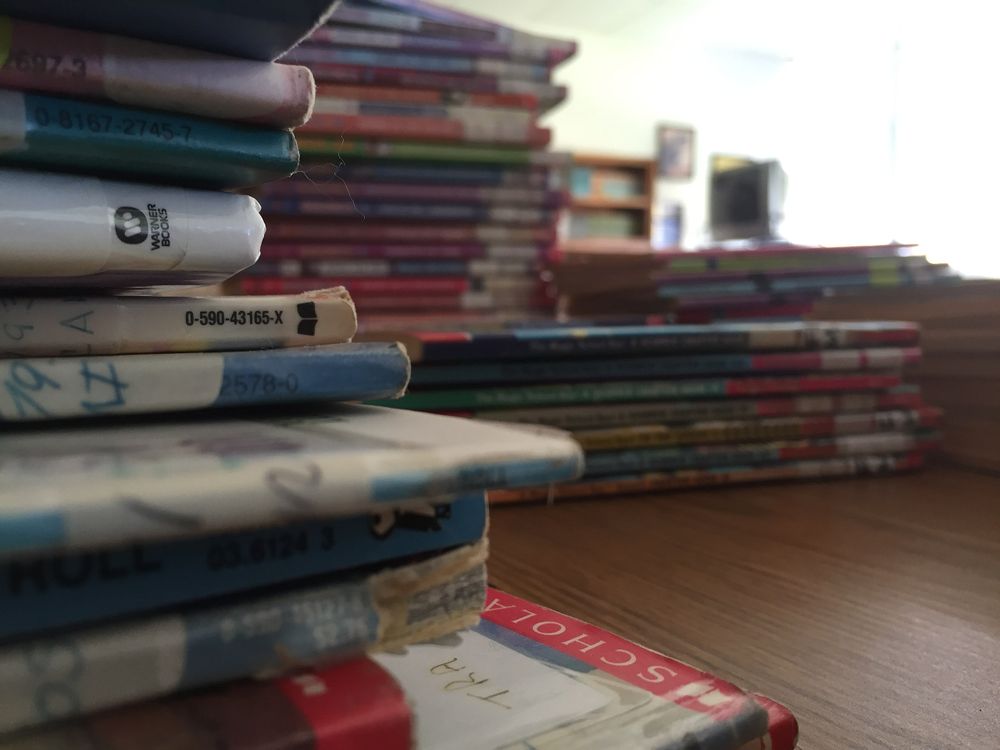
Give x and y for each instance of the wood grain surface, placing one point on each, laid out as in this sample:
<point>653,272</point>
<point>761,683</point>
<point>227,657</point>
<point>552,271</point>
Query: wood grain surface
<point>870,607</point>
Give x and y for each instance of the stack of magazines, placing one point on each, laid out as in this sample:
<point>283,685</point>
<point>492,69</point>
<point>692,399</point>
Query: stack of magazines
<point>658,408</point>
<point>427,189</point>
<point>602,279</point>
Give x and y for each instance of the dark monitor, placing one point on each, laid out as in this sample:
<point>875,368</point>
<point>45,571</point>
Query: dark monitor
<point>746,202</point>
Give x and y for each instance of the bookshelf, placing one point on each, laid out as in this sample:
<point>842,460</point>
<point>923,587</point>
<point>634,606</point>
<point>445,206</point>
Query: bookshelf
<point>610,197</point>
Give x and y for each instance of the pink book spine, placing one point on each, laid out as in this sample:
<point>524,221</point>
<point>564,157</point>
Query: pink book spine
<point>50,59</point>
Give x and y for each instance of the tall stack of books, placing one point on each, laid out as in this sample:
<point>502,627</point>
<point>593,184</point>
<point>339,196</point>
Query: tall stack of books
<point>663,407</point>
<point>603,280</point>
<point>427,188</point>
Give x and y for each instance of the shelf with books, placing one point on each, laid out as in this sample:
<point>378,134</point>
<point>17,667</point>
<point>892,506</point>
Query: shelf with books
<point>611,197</point>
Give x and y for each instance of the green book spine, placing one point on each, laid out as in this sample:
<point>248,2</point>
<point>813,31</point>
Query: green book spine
<point>325,147</point>
<point>146,145</point>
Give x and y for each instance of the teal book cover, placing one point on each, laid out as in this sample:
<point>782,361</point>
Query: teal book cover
<point>67,135</point>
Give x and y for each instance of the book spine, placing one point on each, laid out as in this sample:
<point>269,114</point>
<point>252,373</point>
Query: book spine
<point>416,234</point>
<point>324,147</point>
<point>658,367</point>
<point>409,192</point>
<point>641,461</point>
<point>404,211</point>
<point>142,383</point>
<point>447,174</point>
<point>786,428</point>
<point>137,325</point>
<point>524,102</point>
<point>145,74</point>
<point>619,416</point>
<point>350,705</point>
<point>148,145</point>
<point>379,268</point>
<point>44,593</point>
<point>257,637</point>
<point>105,225</point>
<point>448,129</point>
<point>380,253</point>
<point>873,464</point>
<point>315,54</point>
<point>595,393</point>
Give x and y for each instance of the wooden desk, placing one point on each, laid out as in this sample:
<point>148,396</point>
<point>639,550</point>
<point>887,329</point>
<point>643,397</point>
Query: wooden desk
<point>870,607</point>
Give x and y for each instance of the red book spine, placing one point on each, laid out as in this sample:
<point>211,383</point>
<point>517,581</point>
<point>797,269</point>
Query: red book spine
<point>363,74</point>
<point>426,128</point>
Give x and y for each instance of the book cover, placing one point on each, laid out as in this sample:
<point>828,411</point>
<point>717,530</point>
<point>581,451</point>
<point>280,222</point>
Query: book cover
<point>528,676</point>
<point>132,72</point>
<point>468,65</point>
<point>623,415</point>
<point>73,135</point>
<point>78,672</point>
<point>83,486</point>
<point>667,481</point>
<point>257,31</point>
<point>644,460</point>
<point>94,386</point>
<point>389,253</point>
<point>80,230</point>
<point>643,435</point>
<point>352,705</point>
<point>419,233</point>
<point>75,326</point>
<point>663,366</point>
<point>43,593</point>
<point>651,390</point>
<point>603,341</point>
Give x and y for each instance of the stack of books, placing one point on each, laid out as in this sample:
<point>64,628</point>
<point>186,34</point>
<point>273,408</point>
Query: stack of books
<point>601,281</point>
<point>426,188</point>
<point>663,407</point>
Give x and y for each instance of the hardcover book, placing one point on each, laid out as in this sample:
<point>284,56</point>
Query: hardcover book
<point>61,326</point>
<point>260,635</point>
<point>95,386</point>
<point>85,486</point>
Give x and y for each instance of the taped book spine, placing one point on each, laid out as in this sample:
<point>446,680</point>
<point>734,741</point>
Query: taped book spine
<point>782,428</point>
<point>640,461</point>
<point>593,393</point>
<point>260,636</point>
<point>873,464</point>
<point>355,704</point>
<point>137,73</point>
<point>52,326</point>
<point>624,415</point>
<point>375,253</point>
<point>598,369</point>
<point>312,54</point>
<point>438,97</point>
<point>141,383</point>
<point>147,145</point>
<point>105,226</point>
<point>44,593</point>
<point>295,230</point>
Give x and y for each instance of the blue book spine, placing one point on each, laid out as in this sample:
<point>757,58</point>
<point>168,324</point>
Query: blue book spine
<point>610,463</point>
<point>68,674</point>
<point>43,593</point>
<point>35,389</point>
<point>147,145</point>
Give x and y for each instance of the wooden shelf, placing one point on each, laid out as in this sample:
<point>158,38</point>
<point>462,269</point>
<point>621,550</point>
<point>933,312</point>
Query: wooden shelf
<point>639,203</point>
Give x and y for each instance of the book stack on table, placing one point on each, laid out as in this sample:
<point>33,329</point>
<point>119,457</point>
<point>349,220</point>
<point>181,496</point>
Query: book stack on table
<point>664,407</point>
<point>427,187</point>
<point>602,279</point>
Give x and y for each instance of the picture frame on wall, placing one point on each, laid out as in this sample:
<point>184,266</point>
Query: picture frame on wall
<point>675,151</point>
